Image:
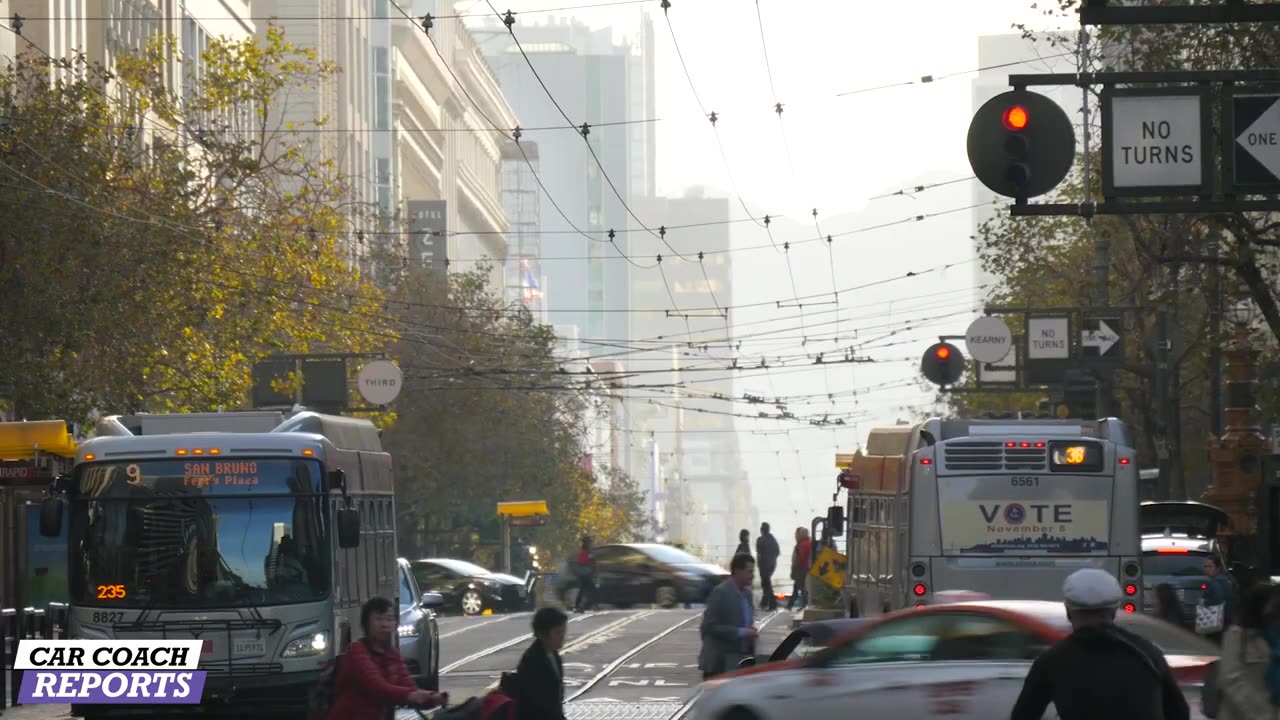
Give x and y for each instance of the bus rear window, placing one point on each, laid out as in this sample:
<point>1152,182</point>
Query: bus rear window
<point>1179,564</point>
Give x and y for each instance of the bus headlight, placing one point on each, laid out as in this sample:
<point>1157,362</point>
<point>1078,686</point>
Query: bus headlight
<point>309,646</point>
<point>409,630</point>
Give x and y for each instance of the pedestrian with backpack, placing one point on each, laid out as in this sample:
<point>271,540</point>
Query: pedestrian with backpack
<point>371,679</point>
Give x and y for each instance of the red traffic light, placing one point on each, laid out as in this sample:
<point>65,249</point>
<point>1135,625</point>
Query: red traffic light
<point>1015,118</point>
<point>942,352</point>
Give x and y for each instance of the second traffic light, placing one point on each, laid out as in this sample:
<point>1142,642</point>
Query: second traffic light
<point>1021,144</point>
<point>942,364</point>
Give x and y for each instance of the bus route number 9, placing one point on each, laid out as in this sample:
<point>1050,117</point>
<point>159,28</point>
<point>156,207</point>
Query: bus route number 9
<point>1024,481</point>
<point>111,592</point>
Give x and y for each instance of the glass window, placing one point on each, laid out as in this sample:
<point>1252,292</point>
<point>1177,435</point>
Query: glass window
<point>909,639</point>
<point>461,567</point>
<point>1189,564</point>
<point>668,554</point>
<point>406,591</point>
<point>199,533</point>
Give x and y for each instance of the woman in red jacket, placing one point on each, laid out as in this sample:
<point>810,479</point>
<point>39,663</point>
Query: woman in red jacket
<point>372,678</point>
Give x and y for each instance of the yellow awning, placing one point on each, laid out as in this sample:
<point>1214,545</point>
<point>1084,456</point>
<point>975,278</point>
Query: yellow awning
<point>524,508</point>
<point>21,440</point>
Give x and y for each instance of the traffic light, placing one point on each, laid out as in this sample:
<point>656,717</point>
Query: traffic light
<point>942,364</point>
<point>1021,144</point>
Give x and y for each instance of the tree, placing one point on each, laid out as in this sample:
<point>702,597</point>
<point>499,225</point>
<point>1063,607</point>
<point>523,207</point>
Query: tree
<point>156,244</point>
<point>489,415</point>
<point>615,509</point>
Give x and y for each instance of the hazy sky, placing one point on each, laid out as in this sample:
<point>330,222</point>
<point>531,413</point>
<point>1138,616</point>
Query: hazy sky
<point>838,153</point>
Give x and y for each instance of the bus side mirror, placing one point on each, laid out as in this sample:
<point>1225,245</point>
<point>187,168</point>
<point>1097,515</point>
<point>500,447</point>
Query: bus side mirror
<point>348,528</point>
<point>338,480</point>
<point>835,520</point>
<point>51,510</point>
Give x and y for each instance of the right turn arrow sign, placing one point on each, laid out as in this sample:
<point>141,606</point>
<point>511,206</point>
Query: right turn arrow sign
<point>1103,339</point>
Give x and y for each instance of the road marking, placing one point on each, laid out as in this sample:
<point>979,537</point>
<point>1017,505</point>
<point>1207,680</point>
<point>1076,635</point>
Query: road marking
<point>482,624</point>
<point>585,639</point>
<point>628,655</point>
<point>688,706</point>
<point>503,646</point>
<point>767,619</point>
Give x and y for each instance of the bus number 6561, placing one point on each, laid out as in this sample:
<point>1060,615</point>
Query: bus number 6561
<point>1024,481</point>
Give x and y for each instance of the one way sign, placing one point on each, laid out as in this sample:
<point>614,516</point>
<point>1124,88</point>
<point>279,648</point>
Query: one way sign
<point>1100,339</point>
<point>1255,123</point>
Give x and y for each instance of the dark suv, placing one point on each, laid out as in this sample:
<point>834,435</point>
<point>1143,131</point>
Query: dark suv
<point>1177,537</point>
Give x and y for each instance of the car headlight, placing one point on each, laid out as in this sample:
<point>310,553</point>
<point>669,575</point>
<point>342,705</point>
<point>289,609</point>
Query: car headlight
<point>409,630</point>
<point>310,646</point>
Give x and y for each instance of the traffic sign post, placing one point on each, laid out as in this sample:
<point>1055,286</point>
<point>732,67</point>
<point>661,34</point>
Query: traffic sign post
<point>1252,158</point>
<point>988,339</point>
<point>1156,142</point>
<point>380,382</point>
<point>1001,372</point>
<point>1048,342</point>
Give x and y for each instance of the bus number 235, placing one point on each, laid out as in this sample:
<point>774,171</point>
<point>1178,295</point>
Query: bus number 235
<point>1024,481</point>
<point>111,592</point>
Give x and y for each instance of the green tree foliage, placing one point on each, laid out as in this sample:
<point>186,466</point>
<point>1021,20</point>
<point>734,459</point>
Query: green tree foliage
<point>488,415</point>
<point>156,245</point>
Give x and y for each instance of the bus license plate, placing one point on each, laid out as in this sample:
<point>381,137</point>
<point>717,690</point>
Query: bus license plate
<point>249,648</point>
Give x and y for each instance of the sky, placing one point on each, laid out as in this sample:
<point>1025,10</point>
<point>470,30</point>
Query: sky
<point>832,153</point>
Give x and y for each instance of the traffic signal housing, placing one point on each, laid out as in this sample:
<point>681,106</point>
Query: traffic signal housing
<point>943,364</point>
<point>1021,144</point>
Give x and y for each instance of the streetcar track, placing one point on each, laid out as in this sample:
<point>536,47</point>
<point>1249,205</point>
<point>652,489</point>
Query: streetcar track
<point>484,623</point>
<point>613,666</point>
<point>590,635</point>
<point>502,646</point>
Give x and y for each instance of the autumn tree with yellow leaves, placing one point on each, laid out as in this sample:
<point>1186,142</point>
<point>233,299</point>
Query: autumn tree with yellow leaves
<point>156,242</point>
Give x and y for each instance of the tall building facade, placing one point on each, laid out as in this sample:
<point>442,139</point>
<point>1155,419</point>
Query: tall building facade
<point>700,489</point>
<point>522,200</point>
<point>594,80</point>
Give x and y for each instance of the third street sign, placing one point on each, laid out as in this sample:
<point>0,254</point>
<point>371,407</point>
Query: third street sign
<point>1256,150</point>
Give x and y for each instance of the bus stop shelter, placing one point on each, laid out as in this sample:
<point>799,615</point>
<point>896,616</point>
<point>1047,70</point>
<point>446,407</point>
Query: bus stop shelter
<point>525,513</point>
<point>33,568</point>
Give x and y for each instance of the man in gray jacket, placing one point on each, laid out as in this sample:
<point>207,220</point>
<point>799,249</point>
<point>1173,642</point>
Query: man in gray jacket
<point>728,630</point>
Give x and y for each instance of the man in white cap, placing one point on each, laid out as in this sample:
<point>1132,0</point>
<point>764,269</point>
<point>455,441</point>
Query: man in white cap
<point>1100,671</point>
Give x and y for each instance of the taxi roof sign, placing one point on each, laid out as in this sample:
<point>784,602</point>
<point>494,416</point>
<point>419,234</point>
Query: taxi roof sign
<point>523,508</point>
<point>22,440</point>
<point>843,460</point>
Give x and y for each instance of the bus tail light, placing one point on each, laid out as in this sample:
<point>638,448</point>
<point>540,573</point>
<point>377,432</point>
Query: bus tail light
<point>920,589</point>
<point>1172,551</point>
<point>1130,589</point>
<point>1130,608</point>
<point>926,461</point>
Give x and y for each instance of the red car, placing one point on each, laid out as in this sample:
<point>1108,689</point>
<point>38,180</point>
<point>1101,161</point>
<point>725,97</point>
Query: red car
<point>907,662</point>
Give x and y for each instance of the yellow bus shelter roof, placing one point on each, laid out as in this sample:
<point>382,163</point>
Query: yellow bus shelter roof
<point>524,508</point>
<point>21,440</point>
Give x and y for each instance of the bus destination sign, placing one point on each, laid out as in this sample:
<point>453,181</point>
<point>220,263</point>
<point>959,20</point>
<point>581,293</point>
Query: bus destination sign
<point>234,473</point>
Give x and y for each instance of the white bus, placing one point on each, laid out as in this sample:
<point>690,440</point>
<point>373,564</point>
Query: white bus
<point>240,529</point>
<point>1007,508</point>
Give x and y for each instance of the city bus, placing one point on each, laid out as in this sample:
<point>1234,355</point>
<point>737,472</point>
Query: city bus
<point>1005,508</point>
<point>261,536</point>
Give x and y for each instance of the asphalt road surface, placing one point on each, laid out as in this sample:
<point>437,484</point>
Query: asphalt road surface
<point>618,664</point>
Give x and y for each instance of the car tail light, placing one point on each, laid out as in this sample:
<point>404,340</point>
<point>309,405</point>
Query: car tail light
<point>1130,589</point>
<point>1130,608</point>
<point>1191,674</point>
<point>920,589</point>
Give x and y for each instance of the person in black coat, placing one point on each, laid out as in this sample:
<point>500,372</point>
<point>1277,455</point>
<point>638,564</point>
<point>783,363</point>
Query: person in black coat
<point>767,552</point>
<point>540,675</point>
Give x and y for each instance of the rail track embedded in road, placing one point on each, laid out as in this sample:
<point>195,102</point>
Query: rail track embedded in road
<point>611,667</point>
<point>630,618</point>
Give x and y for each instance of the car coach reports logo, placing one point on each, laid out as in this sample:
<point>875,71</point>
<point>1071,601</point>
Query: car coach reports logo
<point>103,672</point>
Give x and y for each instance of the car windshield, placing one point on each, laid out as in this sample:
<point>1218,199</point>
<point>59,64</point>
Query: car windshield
<point>1188,564</point>
<point>1171,639</point>
<point>668,554</point>
<point>461,567</point>
<point>199,534</point>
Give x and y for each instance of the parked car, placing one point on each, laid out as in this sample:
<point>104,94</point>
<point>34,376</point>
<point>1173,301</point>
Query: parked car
<point>419,632</point>
<point>644,573</point>
<point>968,660</point>
<point>471,589</point>
<point>1177,537</point>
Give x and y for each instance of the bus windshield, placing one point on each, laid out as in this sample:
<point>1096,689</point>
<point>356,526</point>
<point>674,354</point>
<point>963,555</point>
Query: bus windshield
<point>199,533</point>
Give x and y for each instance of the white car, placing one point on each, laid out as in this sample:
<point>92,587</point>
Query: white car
<point>967,661</point>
